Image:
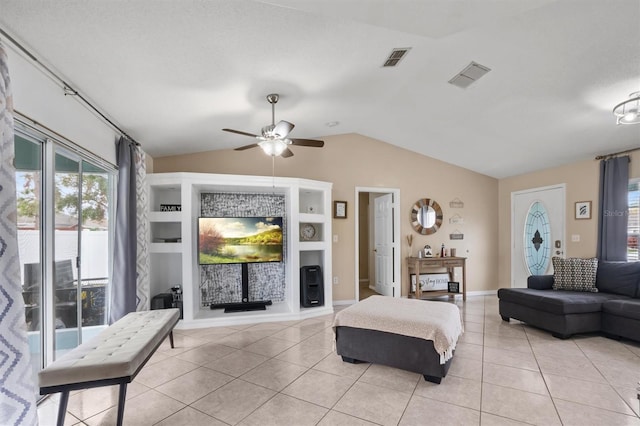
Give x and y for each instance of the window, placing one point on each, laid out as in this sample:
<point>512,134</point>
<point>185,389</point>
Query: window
<point>633,226</point>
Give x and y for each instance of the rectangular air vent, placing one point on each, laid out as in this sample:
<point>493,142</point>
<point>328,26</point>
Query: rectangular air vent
<point>396,56</point>
<point>468,75</point>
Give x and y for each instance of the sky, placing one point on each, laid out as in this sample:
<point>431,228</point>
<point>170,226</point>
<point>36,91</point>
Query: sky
<point>238,227</point>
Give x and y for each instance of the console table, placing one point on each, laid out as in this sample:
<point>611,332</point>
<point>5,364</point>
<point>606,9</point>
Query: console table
<point>418,265</point>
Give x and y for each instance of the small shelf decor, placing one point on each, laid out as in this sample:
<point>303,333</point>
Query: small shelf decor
<point>583,210</point>
<point>170,207</point>
<point>456,219</point>
<point>456,203</point>
<point>456,235</point>
<point>410,242</point>
<point>308,232</point>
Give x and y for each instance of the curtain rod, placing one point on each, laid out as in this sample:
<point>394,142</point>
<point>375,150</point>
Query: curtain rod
<point>606,157</point>
<point>68,90</point>
<point>49,133</point>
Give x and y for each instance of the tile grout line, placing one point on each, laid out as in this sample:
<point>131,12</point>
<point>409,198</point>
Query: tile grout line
<point>484,330</point>
<point>611,386</point>
<point>487,306</point>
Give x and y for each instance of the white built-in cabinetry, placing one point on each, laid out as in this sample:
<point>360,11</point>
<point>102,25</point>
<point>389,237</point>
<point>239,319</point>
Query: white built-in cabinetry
<point>173,246</point>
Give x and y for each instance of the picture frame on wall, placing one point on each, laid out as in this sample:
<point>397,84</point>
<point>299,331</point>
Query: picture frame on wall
<point>339,209</point>
<point>583,210</point>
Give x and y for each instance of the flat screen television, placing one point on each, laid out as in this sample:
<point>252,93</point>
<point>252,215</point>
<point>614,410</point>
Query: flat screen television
<point>239,240</point>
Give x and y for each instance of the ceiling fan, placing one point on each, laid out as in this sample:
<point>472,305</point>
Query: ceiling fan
<point>274,140</point>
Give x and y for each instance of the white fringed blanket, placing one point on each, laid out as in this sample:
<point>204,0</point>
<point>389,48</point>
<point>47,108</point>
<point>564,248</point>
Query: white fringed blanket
<point>439,322</point>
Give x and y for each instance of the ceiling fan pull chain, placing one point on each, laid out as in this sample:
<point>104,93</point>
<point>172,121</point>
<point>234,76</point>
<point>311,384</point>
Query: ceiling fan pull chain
<point>273,171</point>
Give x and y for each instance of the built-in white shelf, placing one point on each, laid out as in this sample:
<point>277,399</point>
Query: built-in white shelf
<point>311,218</point>
<point>165,247</point>
<point>165,216</point>
<point>312,245</point>
<point>307,201</point>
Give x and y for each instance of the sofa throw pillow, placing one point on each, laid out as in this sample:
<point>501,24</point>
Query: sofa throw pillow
<point>575,274</point>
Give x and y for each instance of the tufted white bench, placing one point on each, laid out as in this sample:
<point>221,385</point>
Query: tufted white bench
<point>113,357</point>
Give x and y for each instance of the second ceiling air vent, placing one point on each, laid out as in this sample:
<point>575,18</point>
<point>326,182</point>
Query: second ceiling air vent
<point>469,75</point>
<point>396,56</point>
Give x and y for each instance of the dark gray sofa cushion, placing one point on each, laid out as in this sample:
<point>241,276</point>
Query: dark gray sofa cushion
<point>628,308</point>
<point>540,282</point>
<point>619,278</point>
<point>557,302</point>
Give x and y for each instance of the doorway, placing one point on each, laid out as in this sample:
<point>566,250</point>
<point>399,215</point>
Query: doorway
<point>537,231</point>
<point>377,242</point>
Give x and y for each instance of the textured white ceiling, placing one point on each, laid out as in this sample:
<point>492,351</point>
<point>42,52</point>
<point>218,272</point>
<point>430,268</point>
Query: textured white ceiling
<point>173,73</point>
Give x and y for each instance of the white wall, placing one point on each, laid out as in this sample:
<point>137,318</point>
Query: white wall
<point>95,250</point>
<point>40,98</point>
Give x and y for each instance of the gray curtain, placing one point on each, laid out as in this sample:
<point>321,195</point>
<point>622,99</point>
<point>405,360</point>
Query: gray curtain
<point>614,209</point>
<point>17,391</point>
<point>124,277</point>
<point>142,234</point>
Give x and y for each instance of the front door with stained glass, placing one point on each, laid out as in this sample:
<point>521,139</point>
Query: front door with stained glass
<point>537,239</point>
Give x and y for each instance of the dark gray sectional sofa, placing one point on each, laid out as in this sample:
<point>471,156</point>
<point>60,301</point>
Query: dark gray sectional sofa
<point>613,310</point>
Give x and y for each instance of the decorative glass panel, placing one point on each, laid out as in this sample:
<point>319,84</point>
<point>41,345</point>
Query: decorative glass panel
<point>537,239</point>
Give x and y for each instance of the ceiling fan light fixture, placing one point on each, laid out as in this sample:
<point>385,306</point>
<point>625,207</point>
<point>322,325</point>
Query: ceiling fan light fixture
<point>628,112</point>
<point>273,147</point>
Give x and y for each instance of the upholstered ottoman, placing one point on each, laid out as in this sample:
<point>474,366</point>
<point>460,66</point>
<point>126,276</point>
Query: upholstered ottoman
<point>410,334</point>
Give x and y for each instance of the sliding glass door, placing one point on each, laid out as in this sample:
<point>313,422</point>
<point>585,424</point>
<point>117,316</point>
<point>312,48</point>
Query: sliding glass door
<point>95,267</point>
<point>66,241</point>
<point>64,211</point>
<point>29,166</point>
<point>81,244</point>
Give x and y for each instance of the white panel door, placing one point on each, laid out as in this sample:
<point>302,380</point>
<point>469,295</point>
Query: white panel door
<point>537,231</point>
<point>383,244</point>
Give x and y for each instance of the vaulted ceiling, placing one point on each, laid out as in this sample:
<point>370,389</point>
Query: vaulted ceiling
<point>173,73</point>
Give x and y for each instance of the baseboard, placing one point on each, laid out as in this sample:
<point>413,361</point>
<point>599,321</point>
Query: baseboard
<point>343,302</point>
<point>482,293</point>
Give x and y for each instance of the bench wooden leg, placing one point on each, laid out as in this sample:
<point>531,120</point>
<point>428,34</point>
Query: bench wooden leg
<point>121,399</point>
<point>171,338</point>
<point>62,410</point>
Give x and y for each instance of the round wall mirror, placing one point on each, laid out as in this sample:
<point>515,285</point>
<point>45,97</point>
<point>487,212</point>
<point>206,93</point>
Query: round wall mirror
<point>426,216</point>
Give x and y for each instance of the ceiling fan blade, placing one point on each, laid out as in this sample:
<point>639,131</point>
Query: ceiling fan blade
<point>283,128</point>
<point>240,132</point>
<point>286,153</point>
<point>307,142</point>
<point>242,148</point>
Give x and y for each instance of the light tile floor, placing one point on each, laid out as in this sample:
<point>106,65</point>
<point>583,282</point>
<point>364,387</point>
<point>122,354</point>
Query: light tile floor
<point>287,374</point>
